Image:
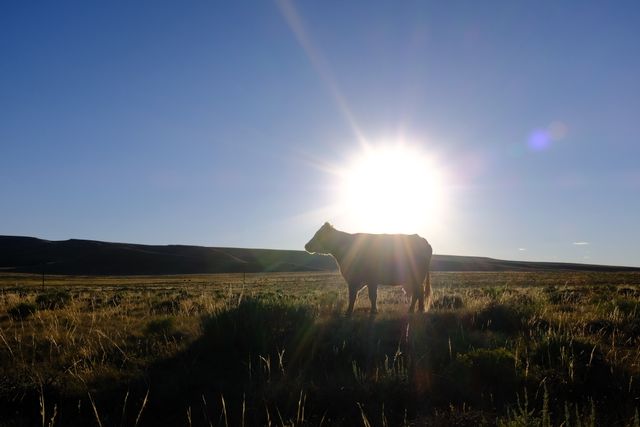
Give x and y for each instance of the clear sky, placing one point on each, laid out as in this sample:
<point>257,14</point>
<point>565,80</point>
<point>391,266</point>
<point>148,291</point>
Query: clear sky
<point>223,123</point>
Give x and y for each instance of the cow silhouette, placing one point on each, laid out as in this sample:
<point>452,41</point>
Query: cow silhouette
<point>372,260</point>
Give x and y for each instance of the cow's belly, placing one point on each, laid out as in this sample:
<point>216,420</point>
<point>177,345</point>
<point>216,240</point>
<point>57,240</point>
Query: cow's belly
<point>384,270</point>
<point>388,281</point>
<point>384,276</point>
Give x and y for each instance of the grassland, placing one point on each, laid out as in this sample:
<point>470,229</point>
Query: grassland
<point>509,349</point>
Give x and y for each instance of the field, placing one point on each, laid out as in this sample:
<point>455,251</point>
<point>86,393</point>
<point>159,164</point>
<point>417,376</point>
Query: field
<point>508,349</point>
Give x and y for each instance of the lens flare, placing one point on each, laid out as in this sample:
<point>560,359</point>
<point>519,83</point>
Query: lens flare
<point>539,140</point>
<point>542,139</point>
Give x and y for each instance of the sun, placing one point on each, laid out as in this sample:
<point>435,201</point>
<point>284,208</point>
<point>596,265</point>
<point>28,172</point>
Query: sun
<point>391,188</point>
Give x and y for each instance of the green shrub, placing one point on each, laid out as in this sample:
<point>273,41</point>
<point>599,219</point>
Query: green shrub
<point>170,306</point>
<point>508,319</point>
<point>448,302</point>
<point>257,326</point>
<point>485,371</point>
<point>115,300</point>
<point>162,326</point>
<point>628,306</point>
<point>632,328</point>
<point>629,292</point>
<point>494,293</point>
<point>565,296</point>
<point>53,300</point>
<point>600,326</point>
<point>22,310</point>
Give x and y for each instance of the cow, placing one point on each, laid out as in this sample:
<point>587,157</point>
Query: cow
<point>378,259</point>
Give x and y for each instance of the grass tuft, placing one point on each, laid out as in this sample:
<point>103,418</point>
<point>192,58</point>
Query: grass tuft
<point>22,310</point>
<point>53,300</point>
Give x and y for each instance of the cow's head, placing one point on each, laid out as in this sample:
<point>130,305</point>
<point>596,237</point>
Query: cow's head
<point>319,242</point>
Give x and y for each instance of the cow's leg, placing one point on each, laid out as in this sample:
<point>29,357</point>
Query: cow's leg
<point>420,292</point>
<point>353,293</point>
<point>427,289</point>
<point>373,296</point>
<point>414,298</point>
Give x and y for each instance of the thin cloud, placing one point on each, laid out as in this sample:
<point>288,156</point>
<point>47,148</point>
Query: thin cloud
<point>580,243</point>
<point>522,249</point>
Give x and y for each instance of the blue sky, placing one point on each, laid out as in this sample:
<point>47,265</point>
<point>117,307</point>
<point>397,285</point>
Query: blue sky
<point>214,123</point>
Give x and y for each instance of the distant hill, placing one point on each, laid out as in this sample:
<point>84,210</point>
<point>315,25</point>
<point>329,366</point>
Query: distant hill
<point>88,257</point>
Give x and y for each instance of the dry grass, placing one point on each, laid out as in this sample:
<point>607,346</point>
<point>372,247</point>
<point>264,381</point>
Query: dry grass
<point>496,348</point>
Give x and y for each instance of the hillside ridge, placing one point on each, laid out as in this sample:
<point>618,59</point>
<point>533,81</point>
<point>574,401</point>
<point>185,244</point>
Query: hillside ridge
<point>92,257</point>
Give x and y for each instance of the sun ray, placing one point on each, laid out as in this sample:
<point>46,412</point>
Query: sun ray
<point>319,64</point>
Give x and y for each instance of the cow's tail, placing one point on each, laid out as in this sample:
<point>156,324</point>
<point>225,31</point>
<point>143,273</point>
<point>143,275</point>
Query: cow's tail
<point>427,291</point>
<point>427,281</point>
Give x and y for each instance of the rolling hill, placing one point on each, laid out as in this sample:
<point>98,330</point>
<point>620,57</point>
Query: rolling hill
<point>88,257</point>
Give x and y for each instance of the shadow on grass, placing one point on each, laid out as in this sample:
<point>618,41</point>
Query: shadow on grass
<point>264,361</point>
<point>281,362</point>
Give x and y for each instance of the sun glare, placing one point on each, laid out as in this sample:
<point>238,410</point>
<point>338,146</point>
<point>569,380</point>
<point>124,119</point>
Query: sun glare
<point>391,189</point>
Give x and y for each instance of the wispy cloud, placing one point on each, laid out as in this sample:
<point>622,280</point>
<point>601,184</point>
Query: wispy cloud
<point>580,243</point>
<point>522,249</point>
